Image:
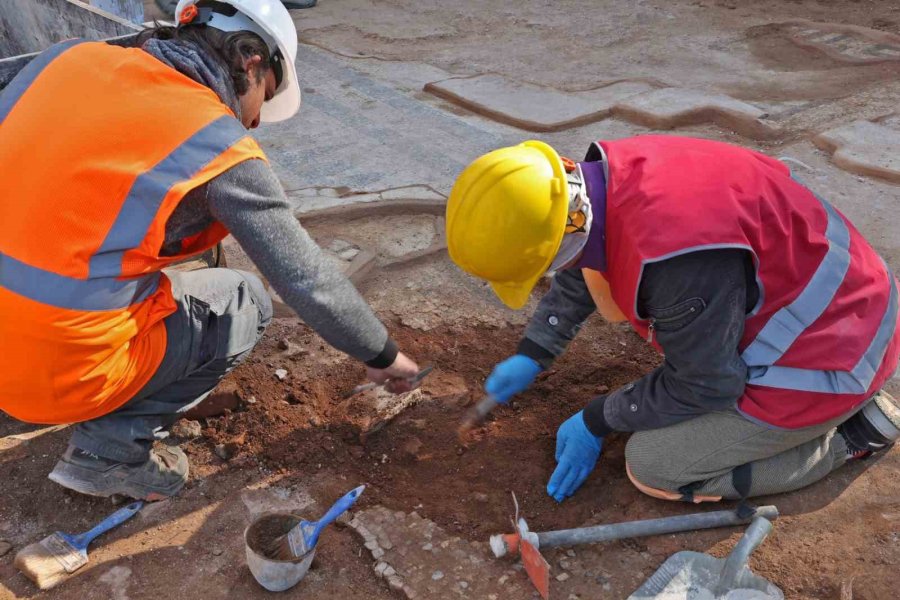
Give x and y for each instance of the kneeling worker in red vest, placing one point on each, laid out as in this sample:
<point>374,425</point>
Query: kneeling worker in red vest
<point>778,321</point>
<point>115,163</point>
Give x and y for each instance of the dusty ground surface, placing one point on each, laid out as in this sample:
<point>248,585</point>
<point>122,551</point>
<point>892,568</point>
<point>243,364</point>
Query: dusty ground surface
<point>367,127</point>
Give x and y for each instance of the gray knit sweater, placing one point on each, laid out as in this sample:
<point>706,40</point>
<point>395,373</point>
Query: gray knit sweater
<point>249,200</point>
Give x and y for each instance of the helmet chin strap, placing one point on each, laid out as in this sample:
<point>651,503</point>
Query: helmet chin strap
<point>579,222</point>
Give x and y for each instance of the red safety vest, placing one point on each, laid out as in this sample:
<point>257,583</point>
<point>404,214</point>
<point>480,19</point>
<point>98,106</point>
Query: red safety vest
<point>98,145</point>
<point>823,336</point>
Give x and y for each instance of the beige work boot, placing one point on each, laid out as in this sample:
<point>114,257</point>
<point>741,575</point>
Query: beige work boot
<point>162,475</point>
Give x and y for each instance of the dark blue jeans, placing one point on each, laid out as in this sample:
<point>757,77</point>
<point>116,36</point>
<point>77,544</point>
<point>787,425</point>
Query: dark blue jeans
<point>221,315</point>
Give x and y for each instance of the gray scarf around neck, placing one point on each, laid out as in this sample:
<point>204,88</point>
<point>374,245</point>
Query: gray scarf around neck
<point>192,61</point>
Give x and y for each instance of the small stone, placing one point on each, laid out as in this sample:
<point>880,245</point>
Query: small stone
<point>463,584</point>
<point>437,575</point>
<point>606,586</point>
<point>564,564</point>
<point>4,547</point>
<point>284,343</point>
<point>412,447</point>
<point>562,576</point>
<point>395,583</point>
<point>480,497</point>
<point>389,571</point>
<point>570,553</point>
<point>348,253</point>
<point>377,553</point>
<point>217,551</point>
<point>380,568</point>
<point>338,246</point>
<point>250,400</point>
<point>503,579</point>
<point>223,451</point>
<point>281,374</point>
<point>427,547</point>
<point>371,544</point>
<point>409,593</point>
<point>187,430</point>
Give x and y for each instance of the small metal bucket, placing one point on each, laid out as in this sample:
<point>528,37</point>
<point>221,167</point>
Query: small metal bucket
<point>273,574</point>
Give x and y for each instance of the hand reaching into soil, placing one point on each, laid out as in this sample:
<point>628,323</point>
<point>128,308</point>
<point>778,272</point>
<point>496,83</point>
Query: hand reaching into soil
<point>397,377</point>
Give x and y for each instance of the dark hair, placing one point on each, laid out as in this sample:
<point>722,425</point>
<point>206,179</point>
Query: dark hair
<point>230,48</point>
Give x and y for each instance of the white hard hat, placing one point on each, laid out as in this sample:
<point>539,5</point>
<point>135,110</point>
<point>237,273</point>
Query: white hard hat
<point>271,21</point>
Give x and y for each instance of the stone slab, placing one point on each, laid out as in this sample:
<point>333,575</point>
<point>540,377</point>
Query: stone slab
<point>362,135</point>
<point>532,107</point>
<point>848,43</point>
<point>669,108</point>
<point>33,25</point>
<point>865,148</point>
<point>427,562</point>
<point>132,10</point>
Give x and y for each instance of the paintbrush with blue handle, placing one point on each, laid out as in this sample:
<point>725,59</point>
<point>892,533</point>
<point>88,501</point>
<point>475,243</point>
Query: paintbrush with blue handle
<point>51,560</point>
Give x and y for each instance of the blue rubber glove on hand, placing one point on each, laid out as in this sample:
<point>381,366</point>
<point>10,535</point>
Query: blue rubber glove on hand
<point>511,376</point>
<point>577,451</point>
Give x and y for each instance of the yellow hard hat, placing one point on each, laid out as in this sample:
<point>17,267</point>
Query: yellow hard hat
<point>506,217</point>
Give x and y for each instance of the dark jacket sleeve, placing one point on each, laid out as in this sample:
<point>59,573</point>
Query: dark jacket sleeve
<point>697,304</point>
<point>558,318</point>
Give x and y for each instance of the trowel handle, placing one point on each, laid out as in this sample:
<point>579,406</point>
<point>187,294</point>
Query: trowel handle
<point>336,510</point>
<point>737,560</point>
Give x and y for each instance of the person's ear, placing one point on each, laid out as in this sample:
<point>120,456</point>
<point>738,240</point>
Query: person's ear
<point>252,64</point>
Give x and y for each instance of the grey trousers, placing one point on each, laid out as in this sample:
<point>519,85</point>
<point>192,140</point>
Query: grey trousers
<point>221,315</point>
<point>702,454</point>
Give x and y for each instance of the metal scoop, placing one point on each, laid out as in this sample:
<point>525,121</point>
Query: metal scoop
<point>697,576</point>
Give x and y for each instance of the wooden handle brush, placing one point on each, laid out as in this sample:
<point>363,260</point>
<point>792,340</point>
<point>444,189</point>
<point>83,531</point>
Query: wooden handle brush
<point>50,561</point>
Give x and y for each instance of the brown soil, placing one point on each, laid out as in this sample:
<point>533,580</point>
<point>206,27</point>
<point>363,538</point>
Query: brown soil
<point>837,539</point>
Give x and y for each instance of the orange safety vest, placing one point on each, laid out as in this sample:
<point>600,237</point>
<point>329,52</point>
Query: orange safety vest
<point>98,145</point>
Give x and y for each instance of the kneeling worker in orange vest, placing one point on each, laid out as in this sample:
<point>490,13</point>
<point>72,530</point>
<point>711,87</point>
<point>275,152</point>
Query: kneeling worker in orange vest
<point>115,163</point>
<point>777,320</point>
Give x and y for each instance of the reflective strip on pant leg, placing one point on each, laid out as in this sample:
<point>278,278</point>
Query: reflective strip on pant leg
<point>664,494</point>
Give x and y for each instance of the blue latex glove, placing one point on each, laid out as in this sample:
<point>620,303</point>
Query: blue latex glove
<point>577,451</point>
<point>511,376</point>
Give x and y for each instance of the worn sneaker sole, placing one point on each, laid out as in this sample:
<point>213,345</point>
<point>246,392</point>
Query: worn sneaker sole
<point>94,483</point>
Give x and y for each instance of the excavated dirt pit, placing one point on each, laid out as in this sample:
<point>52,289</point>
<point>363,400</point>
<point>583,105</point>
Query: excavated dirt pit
<point>295,443</point>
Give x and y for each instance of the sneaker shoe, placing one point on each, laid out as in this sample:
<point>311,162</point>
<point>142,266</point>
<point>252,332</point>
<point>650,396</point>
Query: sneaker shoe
<point>162,475</point>
<point>874,428</point>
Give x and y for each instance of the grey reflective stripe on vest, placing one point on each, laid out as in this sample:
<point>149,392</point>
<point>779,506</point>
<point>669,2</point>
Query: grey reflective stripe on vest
<point>786,325</point>
<point>856,381</point>
<point>150,189</point>
<point>72,293</point>
<point>103,290</point>
<point>789,323</point>
<point>26,76</point>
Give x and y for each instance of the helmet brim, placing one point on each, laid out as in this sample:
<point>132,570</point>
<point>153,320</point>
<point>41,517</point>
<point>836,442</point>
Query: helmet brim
<point>514,295</point>
<point>286,101</point>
